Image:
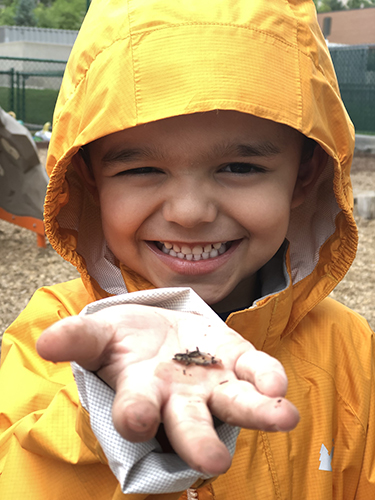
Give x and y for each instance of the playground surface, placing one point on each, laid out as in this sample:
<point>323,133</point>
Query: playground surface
<point>24,267</point>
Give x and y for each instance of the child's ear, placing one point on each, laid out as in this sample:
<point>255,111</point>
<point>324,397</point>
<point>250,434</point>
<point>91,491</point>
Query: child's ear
<point>85,173</point>
<point>309,171</point>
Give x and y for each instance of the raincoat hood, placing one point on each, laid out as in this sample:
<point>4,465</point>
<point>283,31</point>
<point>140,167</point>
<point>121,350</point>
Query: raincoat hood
<point>136,62</point>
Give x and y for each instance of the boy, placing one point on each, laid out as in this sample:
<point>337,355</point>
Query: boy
<point>200,155</point>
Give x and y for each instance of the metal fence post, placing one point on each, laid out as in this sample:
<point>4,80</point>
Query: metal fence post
<point>23,101</point>
<point>18,96</point>
<point>11,89</point>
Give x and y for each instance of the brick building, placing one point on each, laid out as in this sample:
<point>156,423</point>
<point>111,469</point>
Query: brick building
<point>350,27</point>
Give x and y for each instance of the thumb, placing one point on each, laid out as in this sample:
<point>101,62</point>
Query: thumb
<point>78,338</point>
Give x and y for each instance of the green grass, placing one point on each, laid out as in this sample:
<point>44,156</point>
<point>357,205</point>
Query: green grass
<point>5,98</point>
<point>39,104</point>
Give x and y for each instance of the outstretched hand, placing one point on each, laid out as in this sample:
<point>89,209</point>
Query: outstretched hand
<point>131,347</point>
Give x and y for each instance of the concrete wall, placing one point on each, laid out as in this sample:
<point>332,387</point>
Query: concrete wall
<point>37,50</point>
<point>31,34</point>
<point>351,27</point>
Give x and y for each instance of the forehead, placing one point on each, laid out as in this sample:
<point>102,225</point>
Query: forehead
<point>214,130</point>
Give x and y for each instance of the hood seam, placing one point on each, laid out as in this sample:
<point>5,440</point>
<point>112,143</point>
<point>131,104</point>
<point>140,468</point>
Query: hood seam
<point>84,74</point>
<point>270,323</point>
<point>135,86</point>
<point>271,464</point>
<point>300,97</point>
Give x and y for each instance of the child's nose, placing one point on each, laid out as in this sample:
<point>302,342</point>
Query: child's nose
<point>190,206</point>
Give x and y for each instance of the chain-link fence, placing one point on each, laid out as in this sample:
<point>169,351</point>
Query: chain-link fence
<point>29,88</point>
<point>355,69</point>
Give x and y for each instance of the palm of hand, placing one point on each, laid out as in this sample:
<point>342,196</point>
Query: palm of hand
<point>132,349</point>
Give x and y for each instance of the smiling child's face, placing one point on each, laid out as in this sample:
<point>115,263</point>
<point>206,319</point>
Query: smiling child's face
<point>200,200</point>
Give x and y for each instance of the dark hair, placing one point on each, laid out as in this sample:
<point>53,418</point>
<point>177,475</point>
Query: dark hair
<point>84,152</point>
<point>308,149</point>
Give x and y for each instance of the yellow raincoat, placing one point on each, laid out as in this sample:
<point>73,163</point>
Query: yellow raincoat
<point>139,61</point>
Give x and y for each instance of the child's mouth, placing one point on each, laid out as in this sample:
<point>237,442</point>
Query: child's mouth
<point>193,253</point>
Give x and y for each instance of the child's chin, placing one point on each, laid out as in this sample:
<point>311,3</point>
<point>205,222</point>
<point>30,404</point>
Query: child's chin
<point>208,293</point>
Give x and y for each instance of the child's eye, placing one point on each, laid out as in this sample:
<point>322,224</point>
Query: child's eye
<point>140,171</point>
<point>242,168</point>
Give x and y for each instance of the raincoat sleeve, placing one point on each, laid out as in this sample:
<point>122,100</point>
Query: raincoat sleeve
<point>366,485</point>
<point>142,467</point>
<point>39,399</point>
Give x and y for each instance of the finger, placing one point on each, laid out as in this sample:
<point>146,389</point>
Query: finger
<point>189,427</point>
<point>83,338</point>
<point>139,398</point>
<point>265,372</point>
<point>239,403</point>
<point>77,338</point>
<point>135,417</point>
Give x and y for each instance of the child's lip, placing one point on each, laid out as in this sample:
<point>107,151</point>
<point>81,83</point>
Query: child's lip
<point>192,243</point>
<point>194,267</point>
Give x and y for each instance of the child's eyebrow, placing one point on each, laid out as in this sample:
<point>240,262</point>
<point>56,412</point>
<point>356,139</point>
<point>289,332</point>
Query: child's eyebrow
<point>266,148</point>
<point>128,155</point>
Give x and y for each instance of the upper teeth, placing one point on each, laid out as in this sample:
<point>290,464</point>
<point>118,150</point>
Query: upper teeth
<point>197,252</point>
